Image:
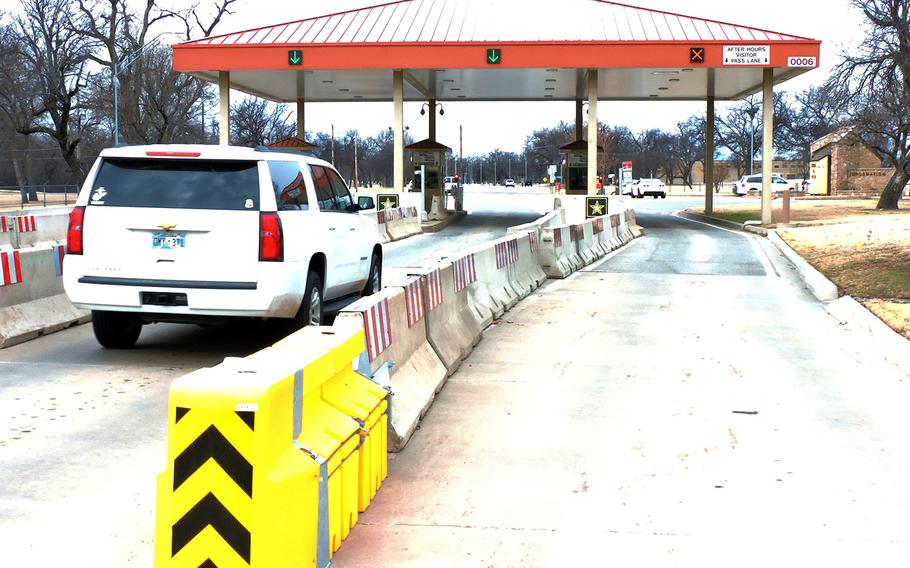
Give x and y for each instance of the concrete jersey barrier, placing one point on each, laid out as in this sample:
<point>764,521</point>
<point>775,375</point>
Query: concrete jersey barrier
<point>452,327</point>
<point>416,373</point>
<point>30,227</point>
<point>32,301</point>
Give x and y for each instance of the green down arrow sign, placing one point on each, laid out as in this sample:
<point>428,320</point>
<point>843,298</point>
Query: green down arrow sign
<point>295,57</point>
<point>494,56</point>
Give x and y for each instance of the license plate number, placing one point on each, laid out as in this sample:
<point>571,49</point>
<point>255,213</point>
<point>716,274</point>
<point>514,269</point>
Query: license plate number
<point>168,241</point>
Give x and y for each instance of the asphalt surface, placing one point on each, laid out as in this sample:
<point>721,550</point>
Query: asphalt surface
<point>83,429</point>
<point>675,405</point>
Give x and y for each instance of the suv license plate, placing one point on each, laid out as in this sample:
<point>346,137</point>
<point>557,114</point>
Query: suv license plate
<point>168,240</point>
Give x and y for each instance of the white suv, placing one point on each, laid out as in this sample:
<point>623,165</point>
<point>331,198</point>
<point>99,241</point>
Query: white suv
<point>192,233</point>
<point>753,183</point>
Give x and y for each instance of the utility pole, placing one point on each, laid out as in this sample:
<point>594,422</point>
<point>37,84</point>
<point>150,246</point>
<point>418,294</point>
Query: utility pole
<point>460,148</point>
<point>356,178</point>
<point>752,112</point>
<point>333,144</point>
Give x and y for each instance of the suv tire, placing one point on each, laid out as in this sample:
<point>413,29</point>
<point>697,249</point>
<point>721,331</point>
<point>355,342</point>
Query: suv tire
<point>374,280</point>
<point>311,307</point>
<point>116,330</point>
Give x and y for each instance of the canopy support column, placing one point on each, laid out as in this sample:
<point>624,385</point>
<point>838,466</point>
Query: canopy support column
<point>301,114</point>
<point>767,160</point>
<point>709,157</point>
<point>398,129</point>
<point>224,108</point>
<point>579,119</point>
<point>592,131</point>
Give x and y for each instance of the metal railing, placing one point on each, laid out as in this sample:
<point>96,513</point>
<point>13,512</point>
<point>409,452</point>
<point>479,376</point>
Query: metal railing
<point>13,195</point>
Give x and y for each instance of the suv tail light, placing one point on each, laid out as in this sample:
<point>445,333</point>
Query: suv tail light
<point>74,233</point>
<point>271,239</point>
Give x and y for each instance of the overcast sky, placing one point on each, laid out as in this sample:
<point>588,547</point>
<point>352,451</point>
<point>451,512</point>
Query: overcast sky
<point>505,125</point>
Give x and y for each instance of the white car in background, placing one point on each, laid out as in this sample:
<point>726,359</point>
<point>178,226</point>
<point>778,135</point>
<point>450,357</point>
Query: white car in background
<point>753,184</point>
<point>649,187</point>
<point>510,183</point>
<point>192,234</point>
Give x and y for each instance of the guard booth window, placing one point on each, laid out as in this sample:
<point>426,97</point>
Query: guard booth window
<point>342,195</point>
<point>289,187</point>
<point>324,194</point>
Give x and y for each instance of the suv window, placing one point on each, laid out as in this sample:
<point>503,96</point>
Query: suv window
<point>176,184</point>
<point>324,194</point>
<point>755,179</point>
<point>289,187</point>
<point>343,199</point>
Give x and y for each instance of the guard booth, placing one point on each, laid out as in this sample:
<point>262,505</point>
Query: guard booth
<point>431,156</point>
<point>575,172</point>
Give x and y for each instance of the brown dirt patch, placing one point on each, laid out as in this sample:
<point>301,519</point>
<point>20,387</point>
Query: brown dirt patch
<point>895,314</point>
<point>811,210</point>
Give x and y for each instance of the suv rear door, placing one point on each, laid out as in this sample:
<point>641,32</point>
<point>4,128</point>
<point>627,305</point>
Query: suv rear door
<point>174,219</point>
<point>342,230</point>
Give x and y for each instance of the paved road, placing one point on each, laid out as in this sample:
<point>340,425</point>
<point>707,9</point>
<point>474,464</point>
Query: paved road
<point>662,409</point>
<point>83,429</point>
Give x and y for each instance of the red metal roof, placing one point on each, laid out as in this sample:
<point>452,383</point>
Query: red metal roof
<point>482,21</point>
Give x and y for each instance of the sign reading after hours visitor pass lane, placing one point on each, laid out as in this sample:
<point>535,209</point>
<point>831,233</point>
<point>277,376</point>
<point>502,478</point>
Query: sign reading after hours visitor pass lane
<point>747,55</point>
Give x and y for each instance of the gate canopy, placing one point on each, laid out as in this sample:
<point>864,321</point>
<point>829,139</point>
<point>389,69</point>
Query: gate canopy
<point>508,50</point>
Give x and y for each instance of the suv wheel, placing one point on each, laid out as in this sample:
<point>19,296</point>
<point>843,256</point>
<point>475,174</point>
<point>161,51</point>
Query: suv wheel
<point>374,280</point>
<point>116,330</point>
<point>311,308</point>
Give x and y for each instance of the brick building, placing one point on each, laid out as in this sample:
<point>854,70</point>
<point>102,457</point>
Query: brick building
<point>843,165</point>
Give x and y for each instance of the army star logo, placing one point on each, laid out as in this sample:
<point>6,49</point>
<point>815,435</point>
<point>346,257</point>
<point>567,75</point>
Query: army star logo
<point>597,209</point>
<point>387,204</point>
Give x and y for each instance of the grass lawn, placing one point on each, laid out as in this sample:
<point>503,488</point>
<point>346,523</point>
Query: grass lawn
<point>867,258</point>
<point>807,210</point>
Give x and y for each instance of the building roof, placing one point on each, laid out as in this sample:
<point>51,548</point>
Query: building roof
<point>831,138</point>
<point>543,51</point>
<point>428,145</point>
<point>293,143</point>
<point>579,145</point>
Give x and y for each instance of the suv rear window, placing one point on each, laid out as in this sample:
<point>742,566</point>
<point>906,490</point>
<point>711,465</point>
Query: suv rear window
<point>176,184</point>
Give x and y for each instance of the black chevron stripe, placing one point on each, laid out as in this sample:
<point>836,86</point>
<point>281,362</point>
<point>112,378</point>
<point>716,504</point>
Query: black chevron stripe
<point>208,564</point>
<point>212,444</point>
<point>181,412</point>
<point>210,511</point>
<point>248,417</point>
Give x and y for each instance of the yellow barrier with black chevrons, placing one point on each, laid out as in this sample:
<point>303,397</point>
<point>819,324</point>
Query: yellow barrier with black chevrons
<point>271,457</point>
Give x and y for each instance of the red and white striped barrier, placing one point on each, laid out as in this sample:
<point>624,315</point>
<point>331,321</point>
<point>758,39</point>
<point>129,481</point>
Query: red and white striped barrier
<point>416,373</point>
<point>534,246</point>
<point>7,224</point>
<point>10,268</point>
<point>377,328</point>
<point>413,295</point>
<point>506,253</point>
<point>27,224</point>
<point>59,251</point>
<point>465,272</point>
<point>435,295</point>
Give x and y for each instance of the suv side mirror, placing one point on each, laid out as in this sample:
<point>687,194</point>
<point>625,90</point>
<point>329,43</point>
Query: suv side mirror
<point>365,202</point>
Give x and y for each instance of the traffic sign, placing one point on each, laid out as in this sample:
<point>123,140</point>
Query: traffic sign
<point>696,55</point>
<point>747,54</point>
<point>626,171</point>
<point>387,200</point>
<point>595,207</point>
<point>494,56</point>
<point>295,57</point>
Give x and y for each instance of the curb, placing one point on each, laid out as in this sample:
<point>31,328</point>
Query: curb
<point>436,226</point>
<point>821,287</point>
<point>894,347</point>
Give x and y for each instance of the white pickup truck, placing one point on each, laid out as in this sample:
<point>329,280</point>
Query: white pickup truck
<point>192,233</point>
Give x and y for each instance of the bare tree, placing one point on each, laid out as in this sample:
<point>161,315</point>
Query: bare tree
<point>689,146</point>
<point>255,122</point>
<point>816,113</point>
<point>874,80</point>
<point>44,85</point>
<point>156,104</point>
